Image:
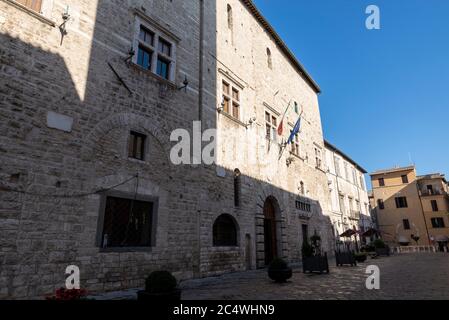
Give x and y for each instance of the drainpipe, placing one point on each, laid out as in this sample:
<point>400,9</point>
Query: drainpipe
<point>201,61</point>
<point>422,210</point>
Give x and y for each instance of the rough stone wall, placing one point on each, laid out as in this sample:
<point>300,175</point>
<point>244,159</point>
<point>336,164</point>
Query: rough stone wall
<point>49,207</point>
<point>41,234</point>
<point>241,59</point>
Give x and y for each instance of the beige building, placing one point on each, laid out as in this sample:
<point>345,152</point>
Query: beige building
<point>411,209</point>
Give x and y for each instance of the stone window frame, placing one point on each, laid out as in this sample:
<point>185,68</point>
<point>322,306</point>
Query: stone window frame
<point>127,196</point>
<point>231,99</point>
<point>296,143</point>
<point>146,145</point>
<point>144,21</point>
<point>44,15</point>
<point>215,243</point>
<point>318,157</point>
<point>271,122</point>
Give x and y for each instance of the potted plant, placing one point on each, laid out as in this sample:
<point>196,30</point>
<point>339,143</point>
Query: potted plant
<point>345,258</point>
<point>64,294</point>
<point>160,285</point>
<point>381,248</point>
<point>279,271</point>
<point>360,257</point>
<point>312,258</point>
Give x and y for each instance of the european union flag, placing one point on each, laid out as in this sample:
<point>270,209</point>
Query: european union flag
<point>295,131</point>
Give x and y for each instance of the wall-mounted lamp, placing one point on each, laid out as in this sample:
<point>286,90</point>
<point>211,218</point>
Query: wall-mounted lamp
<point>62,27</point>
<point>185,85</point>
<point>252,120</point>
<point>131,54</point>
<point>220,109</point>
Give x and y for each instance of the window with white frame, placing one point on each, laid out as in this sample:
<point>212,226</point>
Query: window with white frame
<point>271,126</point>
<point>231,99</point>
<point>337,166</point>
<point>155,51</point>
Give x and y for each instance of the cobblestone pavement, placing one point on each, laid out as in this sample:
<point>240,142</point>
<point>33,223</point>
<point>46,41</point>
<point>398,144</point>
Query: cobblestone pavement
<point>408,277</point>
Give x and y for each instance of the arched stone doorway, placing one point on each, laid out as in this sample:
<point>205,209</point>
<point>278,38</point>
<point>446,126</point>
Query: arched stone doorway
<point>270,230</point>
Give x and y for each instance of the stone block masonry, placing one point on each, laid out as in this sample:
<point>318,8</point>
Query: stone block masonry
<point>55,173</point>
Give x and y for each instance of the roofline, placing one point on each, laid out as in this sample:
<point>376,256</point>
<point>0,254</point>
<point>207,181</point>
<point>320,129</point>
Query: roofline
<point>335,149</point>
<point>264,22</point>
<point>379,172</point>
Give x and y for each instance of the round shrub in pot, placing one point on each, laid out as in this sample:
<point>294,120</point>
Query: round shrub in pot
<point>160,285</point>
<point>360,257</point>
<point>279,271</point>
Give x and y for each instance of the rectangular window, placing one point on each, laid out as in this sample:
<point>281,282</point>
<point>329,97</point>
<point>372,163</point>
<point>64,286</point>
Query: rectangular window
<point>381,204</point>
<point>382,182</point>
<point>362,183</point>
<point>136,147</point>
<point>318,158</point>
<point>303,206</point>
<point>34,5</point>
<point>271,126</point>
<point>401,202</point>
<point>164,47</point>
<point>146,36</point>
<point>406,224</point>
<point>295,144</point>
<point>163,68</point>
<point>342,204</point>
<point>404,179</point>
<point>154,53</point>
<point>127,223</point>
<point>337,166</point>
<point>231,100</point>
<point>434,205</point>
<point>430,189</point>
<point>438,223</point>
<point>144,57</point>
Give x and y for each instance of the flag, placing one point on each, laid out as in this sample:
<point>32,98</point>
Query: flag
<point>281,125</point>
<point>295,131</point>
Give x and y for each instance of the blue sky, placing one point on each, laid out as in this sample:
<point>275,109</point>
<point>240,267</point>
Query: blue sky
<point>385,92</point>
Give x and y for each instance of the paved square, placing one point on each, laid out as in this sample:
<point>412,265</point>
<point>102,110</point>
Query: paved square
<point>408,276</point>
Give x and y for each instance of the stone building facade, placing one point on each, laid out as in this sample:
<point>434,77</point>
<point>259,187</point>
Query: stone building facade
<point>349,204</point>
<point>88,108</point>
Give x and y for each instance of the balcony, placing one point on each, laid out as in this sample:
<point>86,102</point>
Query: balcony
<point>429,193</point>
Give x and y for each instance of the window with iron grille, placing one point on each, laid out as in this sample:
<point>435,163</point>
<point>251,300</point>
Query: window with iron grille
<point>34,5</point>
<point>136,147</point>
<point>225,232</point>
<point>127,223</point>
<point>303,206</point>
<point>438,223</point>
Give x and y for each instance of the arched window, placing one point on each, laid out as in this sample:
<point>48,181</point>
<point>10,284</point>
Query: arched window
<point>230,17</point>
<point>302,189</point>
<point>225,231</point>
<point>269,59</point>
<point>231,23</point>
<point>237,187</point>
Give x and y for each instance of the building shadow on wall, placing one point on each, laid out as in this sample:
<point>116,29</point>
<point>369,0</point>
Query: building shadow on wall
<point>54,182</point>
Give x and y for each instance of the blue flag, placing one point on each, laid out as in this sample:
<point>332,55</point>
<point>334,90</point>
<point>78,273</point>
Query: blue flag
<point>295,131</point>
